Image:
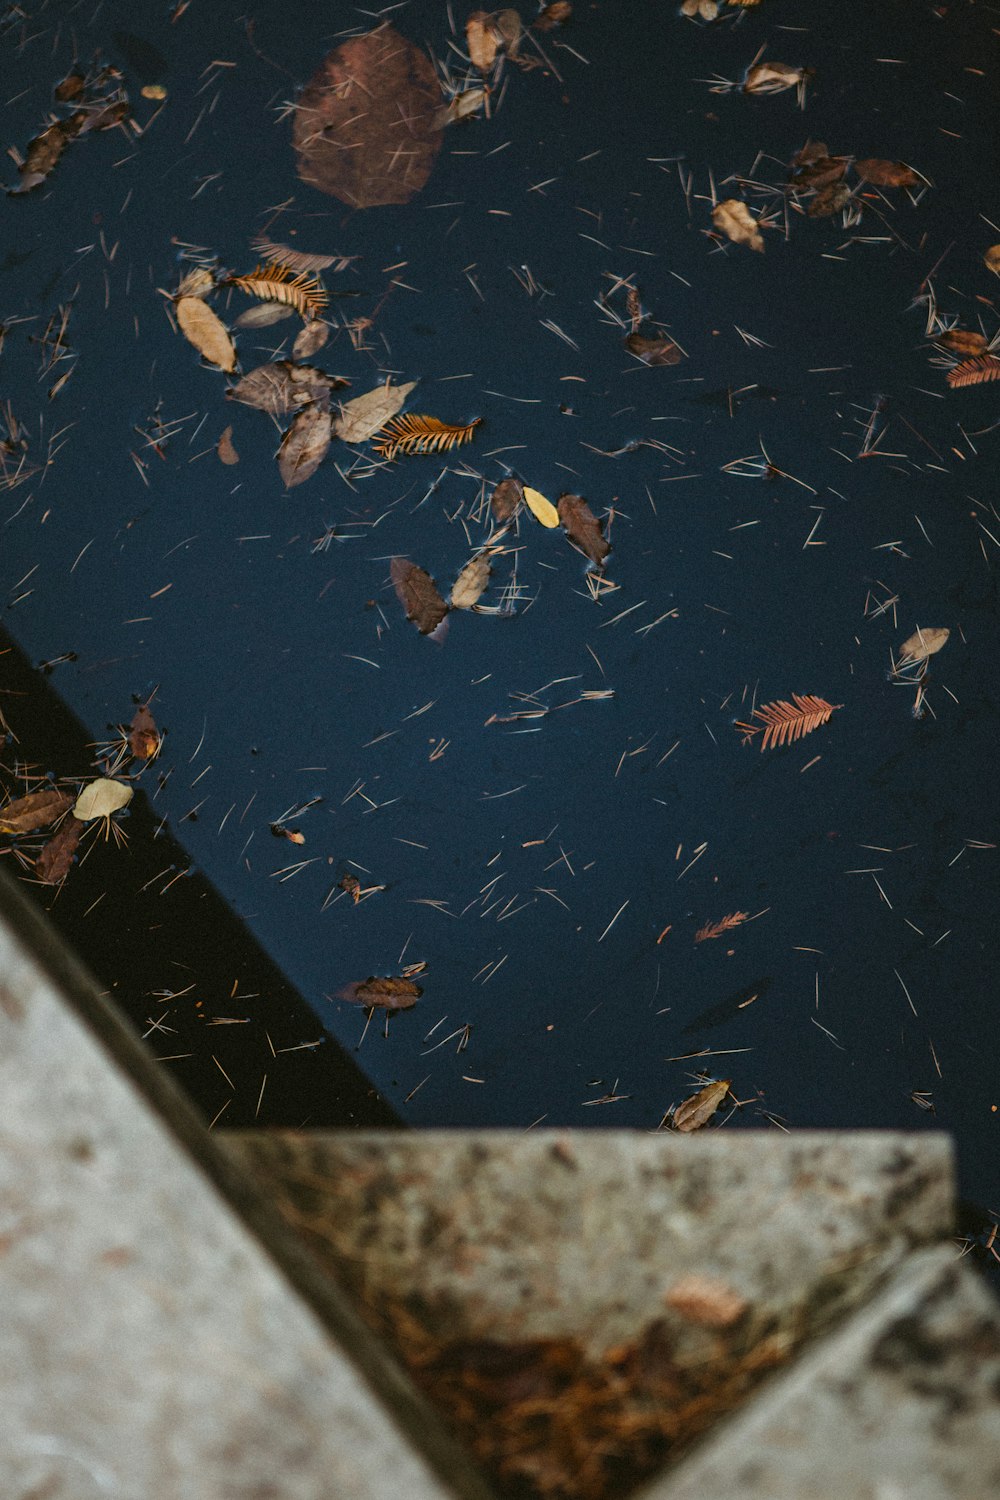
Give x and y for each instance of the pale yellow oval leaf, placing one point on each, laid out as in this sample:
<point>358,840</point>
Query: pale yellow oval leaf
<point>360,419</point>
<point>733,219</point>
<point>101,798</point>
<point>202,328</point>
<point>543,510</point>
<point>923,643</point>
<point>471,582</point>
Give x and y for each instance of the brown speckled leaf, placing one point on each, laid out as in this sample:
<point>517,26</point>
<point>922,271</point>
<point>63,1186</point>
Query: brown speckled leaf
<point>366,128</point>
<point>36,810</point>
<point>56,858</point>
<point>653,351</point>
<point>280,387</point>
<point>418,595</point>
<point>304,446</point>
<point>506,498</point>
<point>392,993</point>
<point>699,1109</point>
<point>583,528</point>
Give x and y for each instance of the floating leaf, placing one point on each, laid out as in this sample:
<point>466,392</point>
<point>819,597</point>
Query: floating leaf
<point>278,388</point>
<point>481,40</point>
<point>304,446</point>
<point>700,1108</point>
<point>702,10</point>
<point>923,643</point>
<point>553,15</point>
<point>264,315</point>
<point>813,168</point>
<point>772,78</point>
<point>543,510</point>
<point>653,351</point>
<point>44,151</point>
<point>583,528</point>
<point>992,259</point>
<point>224,447</point>
<point>202,328</point>
<point>963,341</point>
<point>304,293</point>
<point>360,419</point>
<point>310,339</point>
<point>143,737</point>
<point>886,173</point>
<point>974,371</point>
<point>421,434</point>
<point>829,200</point>
<point>366,126</point>
<point>471,582</point>
<point>724,924</point>
<point>733,219</point>
<point>36,810</point>
<point>392,993</point>
<point>101,798</point>
<point>784,722</point>
<point>705,1301</point>
<point>417,593</point>
<point>506,498</point>
<point>55,859</point>
<point>462,106</point>
<point>298,260</point>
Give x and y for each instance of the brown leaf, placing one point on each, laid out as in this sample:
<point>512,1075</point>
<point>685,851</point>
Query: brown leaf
<point>724,924</point>
<point>653,351</point>
<point>974,371</point>
<point>706,1301</point>
<point>264,315</point>
<point>923,643</point>
<point>471,582</point>
<point>391,993</point>
<point>783,723</point>
<point>462,106</point>
<point>992,259</point>
<point>963,341</point>
<point>830,200</point>
<point>304,446</point>
<point>733,219</point>
<point>224,447</point>
<point>699,1109</point>
<point>366,126</point>
<point>553,15</point>
<point>813,168</point>
<point>44,151</point>
<point>481,40</point>
<point>71,87</point>
<point>279,388</point>
<point>505,499</point>
<point>771,78</point>
<point>298,260</point>
<point>583,528</point>
<point>36,810</point>
<point>310,339</point>
<point>55,859</point>
<point>418,595</point>
<point>144,737</point>
<point>882,173</point>
<point>360,419</point>
<point>202,328</point>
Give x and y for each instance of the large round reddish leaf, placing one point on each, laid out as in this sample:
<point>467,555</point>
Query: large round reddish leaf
<point>366,126</point>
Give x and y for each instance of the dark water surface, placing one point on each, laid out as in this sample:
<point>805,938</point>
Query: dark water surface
<point>285,673</point>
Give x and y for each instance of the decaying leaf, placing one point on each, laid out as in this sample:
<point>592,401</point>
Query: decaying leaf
<point>783,723</point>
<point>653,350</point>
<point>414,433</point>
<point>305,445</point>
<point>55,859</point>
<point>225,449</point>
<point>310,339</point>
<point>36,810</point>
<point>706,1301</point>
<point>974,371</point>
<point>481,40</point>
<point>724,924</point>
<point>263,316</point>
<point>198,282</point>
<point>733,219</point>
<point>143,735</point>
<point>829,200</point>
<point>275,283</point>
<point>813,168</point>
<point>101,798</point>
<point>964,341</point>
<point>702,10</point>
<point>462,106</point>
<point>471,582</point>
<point>298,260</point>
<point>886,173</point>
<point>992,259</point>
<point>583,528</point>
<point>417,593</point>
<point>924,642</point>
<point>44,151</point>
<point>699,1109</point>
<point>360,419</point>
<point>772,78</point>
<point>506,498</point>
<point>366,126</point>
<point>543,510</point>
<point>202,328</point>
<point>553,15</point>
<point>392,993</point>
<point>278,388</point>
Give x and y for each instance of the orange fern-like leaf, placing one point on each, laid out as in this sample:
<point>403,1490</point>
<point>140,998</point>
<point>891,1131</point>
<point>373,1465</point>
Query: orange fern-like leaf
<point>298,260</point>
<point>716,929</point>
<point>416,434</point>
<point>974,371</point>
<point>783,723</point>
<point>306,294</point>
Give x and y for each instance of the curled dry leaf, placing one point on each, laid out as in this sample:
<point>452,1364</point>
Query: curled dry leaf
<point>506,498</point>
<point>392,993</point>
<point>992,259</point>
<point>224,447</point>
<point>699,1109</point>
<point>101,798</point>
<point>653,351</point>
<point>143,735</point>
<point>366,128</point>
<point>923,643</point>
<point>280,387</point>
<point>471,582</point>
<point>481,40</point>
<point>829,200</point>
<point>706,1301</point>
<point>733,219</point>
<point>543,510</point>
<point>583,528</point>
<point>36,810</point>
<point>310,339</point>
<point>963,341</point>
<point>304,446</point>
<point>886,173</point>
<point>772,78</point>
<point>360,419</point>
<point>202,328</point>
<point>55,860</point>
<point>417,593</point>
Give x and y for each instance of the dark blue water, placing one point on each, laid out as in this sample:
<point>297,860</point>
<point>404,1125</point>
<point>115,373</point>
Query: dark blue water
<point>286,674</point>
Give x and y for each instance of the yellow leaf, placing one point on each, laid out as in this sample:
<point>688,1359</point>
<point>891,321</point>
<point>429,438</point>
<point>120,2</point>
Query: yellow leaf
<point>543,510</point>
<point>733,219</point>
<point>206,332</point>
<point>923,643</point>
<point>101,798</point>
<point>699,1109</point>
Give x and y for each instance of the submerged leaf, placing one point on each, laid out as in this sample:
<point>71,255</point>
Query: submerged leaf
<point>653,351</point>
<point>583,528</point>
<point>733,219</point>
<point>101,798</point>
<point>225,449</point>
<point>304,446</point>
<point>143,736</point>
<point>543,510</point>
<point>699,1109</point>
<point>417,593</point>
<point>471,582</point>
<point>923,643</point>
<point>360,419</point>
<point>55,859</point>
<point>310,339</point>
<point>202,328</point>
<point>391,993</point>
<point>829,200</point>
<point>772,78</point>
<point>264,315</point>
<point>886,173</point>
<point>36,810</point>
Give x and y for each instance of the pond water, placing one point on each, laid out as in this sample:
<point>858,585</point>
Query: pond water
<point>549,804</point>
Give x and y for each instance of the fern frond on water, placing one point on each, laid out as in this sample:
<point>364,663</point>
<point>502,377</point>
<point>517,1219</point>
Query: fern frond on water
<point>418,434</point>
<point>974,371</point>
<point>724,924</point>
<point>306,294</point>
<point>298,260</point>
<point>782,723</point>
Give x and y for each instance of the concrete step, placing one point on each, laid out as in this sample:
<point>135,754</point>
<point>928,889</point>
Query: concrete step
<point>563,1296</point>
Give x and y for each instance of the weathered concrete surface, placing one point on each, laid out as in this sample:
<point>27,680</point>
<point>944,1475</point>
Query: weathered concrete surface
<point>149,1346</point>
<point>902,1404</point>
<point>548,1234</point>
